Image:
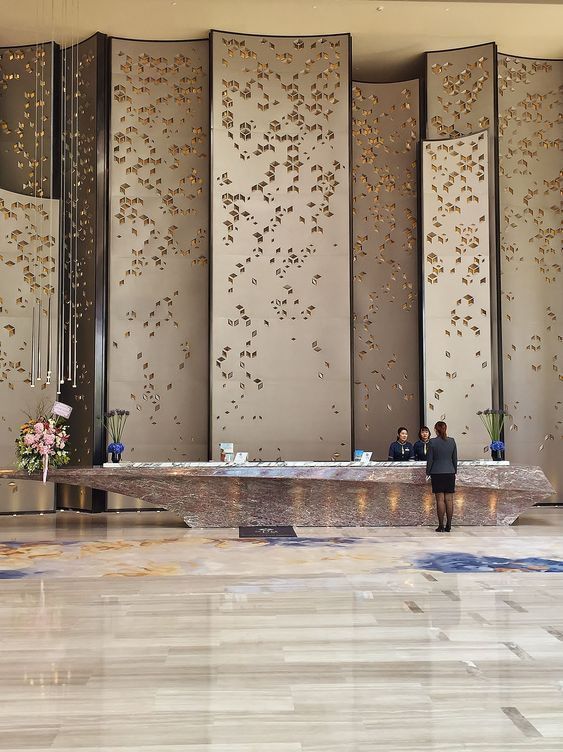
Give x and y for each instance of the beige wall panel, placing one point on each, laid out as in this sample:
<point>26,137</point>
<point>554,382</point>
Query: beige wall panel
<point>29,232</point>
<point>530,135</point>
<point>460,100</point>
<point>158,273</point>
<point>281,330</point>
<point>385,134</point>
<point>456,287</point>
<point>26,78</point>
<point>460,91</point>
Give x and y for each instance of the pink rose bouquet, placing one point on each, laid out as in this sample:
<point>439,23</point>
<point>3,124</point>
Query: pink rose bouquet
<point>42,442</point>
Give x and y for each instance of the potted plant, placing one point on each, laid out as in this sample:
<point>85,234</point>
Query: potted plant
<point>115,425</point>
<point>493,420</point>
<point>42,442</point>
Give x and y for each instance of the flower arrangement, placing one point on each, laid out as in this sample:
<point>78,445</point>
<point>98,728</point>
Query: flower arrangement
<point>42,441</point>
<point>115,425</point>
<point>493,420</point>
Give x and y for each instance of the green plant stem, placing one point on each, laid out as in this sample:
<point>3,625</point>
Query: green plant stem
<point>115,426</point>
<point>494,424</point>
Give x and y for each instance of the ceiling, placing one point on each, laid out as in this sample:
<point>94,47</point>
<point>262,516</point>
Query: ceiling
<point>388,37</point>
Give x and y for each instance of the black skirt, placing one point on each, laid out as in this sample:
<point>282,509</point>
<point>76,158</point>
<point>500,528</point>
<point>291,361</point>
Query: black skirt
<point>443,482</point>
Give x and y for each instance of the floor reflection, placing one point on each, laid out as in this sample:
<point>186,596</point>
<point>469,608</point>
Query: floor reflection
<point>130,632</point>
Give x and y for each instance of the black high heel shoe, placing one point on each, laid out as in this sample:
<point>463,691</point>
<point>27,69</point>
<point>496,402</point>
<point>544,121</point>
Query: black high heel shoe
<point>448,529</point>
<point>439,529</point>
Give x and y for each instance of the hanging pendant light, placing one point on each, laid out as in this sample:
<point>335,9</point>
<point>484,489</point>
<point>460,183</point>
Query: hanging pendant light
<point>42,238</point>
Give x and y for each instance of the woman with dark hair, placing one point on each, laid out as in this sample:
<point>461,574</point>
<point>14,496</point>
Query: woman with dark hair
<point>441,466</point>
<point>421,446</point>
<point>401,450</point>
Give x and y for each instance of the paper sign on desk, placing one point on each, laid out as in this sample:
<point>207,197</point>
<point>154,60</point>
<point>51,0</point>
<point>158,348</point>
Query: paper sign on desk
<point>227,449</point>
<point>362,457</point>
<point>240,458</point>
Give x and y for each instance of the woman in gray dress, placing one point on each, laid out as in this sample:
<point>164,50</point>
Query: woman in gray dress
<point>441,466</point>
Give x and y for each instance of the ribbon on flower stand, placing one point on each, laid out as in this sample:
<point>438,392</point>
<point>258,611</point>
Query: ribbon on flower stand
<point>63,411</point>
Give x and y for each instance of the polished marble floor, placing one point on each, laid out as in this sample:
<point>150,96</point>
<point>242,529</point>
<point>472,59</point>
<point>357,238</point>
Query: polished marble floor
<point>131,633</point>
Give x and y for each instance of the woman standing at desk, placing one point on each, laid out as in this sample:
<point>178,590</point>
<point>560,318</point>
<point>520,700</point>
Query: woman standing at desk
<point>401,450</point>
<point>441,466</point>
<point>421,446</point>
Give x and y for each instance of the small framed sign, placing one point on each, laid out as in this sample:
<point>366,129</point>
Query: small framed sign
<point>227,451</point>
<point>362,457</point>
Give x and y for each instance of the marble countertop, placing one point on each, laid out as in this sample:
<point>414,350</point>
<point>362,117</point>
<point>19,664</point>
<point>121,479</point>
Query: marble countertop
<point>412,463</point>
<point>318,493</point>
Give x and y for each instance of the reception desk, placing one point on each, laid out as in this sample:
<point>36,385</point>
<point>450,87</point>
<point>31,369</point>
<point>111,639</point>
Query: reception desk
<point>338,494</point>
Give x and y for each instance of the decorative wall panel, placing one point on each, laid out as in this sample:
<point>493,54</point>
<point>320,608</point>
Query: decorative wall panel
<point>456,287</point>
<point>280,361</point>
<point>460,100</point>
<point>460,91</point>
<point>29,232</point>
<point>385,132</point>
<point>83,256</point>
<point>530,136</point>
<point>158,350</point>
<point>26,103</point>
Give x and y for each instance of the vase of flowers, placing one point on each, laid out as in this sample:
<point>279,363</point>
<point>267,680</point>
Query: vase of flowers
<point>115,425</point>
<point>42,442</point>
<point>493,420</point>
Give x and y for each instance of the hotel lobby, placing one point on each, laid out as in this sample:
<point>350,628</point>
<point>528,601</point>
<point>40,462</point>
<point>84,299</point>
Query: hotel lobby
<point>280,395</point>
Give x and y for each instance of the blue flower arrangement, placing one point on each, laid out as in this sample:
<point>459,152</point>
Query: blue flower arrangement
<point>493,420</point>
<point>115,425</point>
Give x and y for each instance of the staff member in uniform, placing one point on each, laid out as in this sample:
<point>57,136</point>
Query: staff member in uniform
<point>441,466</point>
<point>421,446</point>
<point>401,450</point>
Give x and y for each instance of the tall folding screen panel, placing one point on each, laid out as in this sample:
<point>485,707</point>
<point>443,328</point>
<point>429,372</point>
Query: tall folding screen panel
<point>457,286</point>
<point>29,216</point>
<point>83,257</point>
<point>281,338</point>
<point>530,136</point>
<point>158,271</point>
<point>460,91</point>
<point>27,118</point>
<point>385,135</point>
<point>460,101</point>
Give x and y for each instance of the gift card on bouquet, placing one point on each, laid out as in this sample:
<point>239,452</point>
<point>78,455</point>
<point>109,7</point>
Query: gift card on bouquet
<point>59,408</point>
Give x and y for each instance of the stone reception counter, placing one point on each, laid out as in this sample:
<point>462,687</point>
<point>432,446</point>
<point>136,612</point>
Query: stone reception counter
<point>339,494</point>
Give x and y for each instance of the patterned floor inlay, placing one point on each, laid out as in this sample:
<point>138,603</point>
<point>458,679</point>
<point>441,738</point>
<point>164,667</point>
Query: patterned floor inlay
<point>466,562</point>
<point>270,551</point>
